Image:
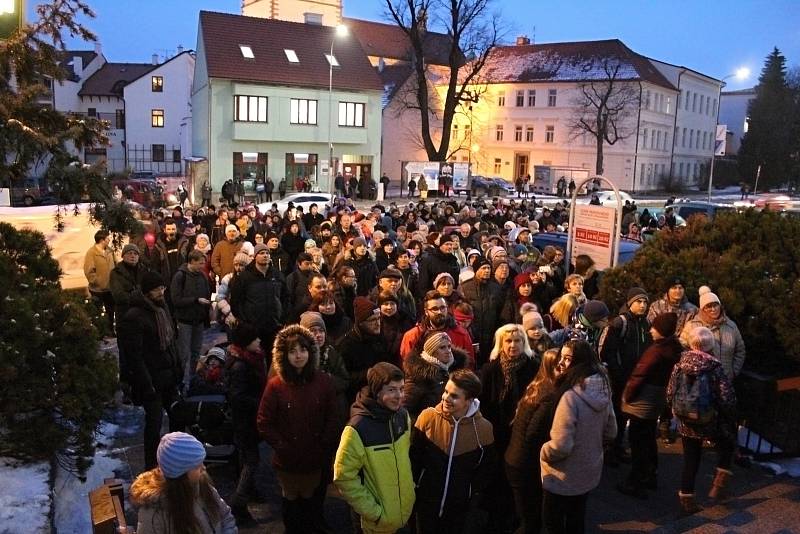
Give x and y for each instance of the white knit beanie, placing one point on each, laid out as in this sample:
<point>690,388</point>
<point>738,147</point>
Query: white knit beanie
<point>707,297</point>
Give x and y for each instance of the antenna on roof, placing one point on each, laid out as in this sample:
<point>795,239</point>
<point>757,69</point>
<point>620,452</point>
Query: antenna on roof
<point>533,35</point>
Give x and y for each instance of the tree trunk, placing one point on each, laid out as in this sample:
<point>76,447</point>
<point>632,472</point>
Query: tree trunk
<point>598,167</point>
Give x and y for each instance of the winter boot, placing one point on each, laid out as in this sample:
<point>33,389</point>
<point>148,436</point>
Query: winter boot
<point>688,504</point>
<point>719,484</point>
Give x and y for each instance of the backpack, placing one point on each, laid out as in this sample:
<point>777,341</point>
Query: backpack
<point>693,401</point>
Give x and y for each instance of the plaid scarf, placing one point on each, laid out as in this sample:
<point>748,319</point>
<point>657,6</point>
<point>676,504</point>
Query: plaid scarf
<point>166,333</point>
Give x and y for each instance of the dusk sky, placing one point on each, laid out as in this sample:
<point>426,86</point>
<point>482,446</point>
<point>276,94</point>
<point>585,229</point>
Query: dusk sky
<point>714,37</point>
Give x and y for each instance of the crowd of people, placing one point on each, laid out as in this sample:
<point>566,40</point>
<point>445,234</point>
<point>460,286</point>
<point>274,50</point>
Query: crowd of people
<point>441,371</point>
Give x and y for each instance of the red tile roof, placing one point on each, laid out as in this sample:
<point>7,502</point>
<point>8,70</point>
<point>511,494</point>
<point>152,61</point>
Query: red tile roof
<point>568,62</point>
<point>111,78</point>
<point>222,34</point>
<point>388,40</point>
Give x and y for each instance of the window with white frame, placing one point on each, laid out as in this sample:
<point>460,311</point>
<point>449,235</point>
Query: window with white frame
<point>644,138</point>
<point>549,134</point>
<point>291,55</point>
<point>351,114</point>
<point>518,134</point>
<point>668,111</point>
<point>498,165</point>
<point>683,139</point>
<point>498,132</point>
<point>687,101</point>
<point>250,108</point>
<point>691,138</point>
<point>157,84</point>
<point>157,153</point>
<point>501,99</point>
<point>705,134</point>
<point>647,100</point>
<point>678,99</point>
<point>658,139</point>
<point>697,140</point>
<point>552,94</point>
<point>302,111</point>
<point>529,134</point>
<point>520,98</point>
<point>531,98</point>
<point>714,108</point>
<point>642,174</point>
<point>694,103</point>
<point>680,169</point>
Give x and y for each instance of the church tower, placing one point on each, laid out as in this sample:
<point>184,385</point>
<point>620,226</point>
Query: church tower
<point>325,12</point>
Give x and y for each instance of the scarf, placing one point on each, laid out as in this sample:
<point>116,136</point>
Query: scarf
<point>510,366</point>
<point>435,361</point>
<point>166,333</point>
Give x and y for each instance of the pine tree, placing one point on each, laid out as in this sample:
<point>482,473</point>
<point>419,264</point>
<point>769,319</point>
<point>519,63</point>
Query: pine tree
<point>751,260</point>
<point>55,381</point>
<point>772,114</point>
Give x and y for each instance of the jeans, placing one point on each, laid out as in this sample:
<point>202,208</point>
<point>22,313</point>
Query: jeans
<point>564,514</point>
<point>190,341</point>
<point>644,450</point>
<point>693,451</point>
<point>153,418</point>
<point>248,458</point>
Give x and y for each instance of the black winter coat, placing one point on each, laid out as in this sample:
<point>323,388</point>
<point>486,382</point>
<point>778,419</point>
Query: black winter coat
<point>366,274</point>
<point>360,352</point>
<point>500,410</point>
<point>184,291</point>
<point>245,386</point>
<point>490,307</point>
<point>530,430</point>
<point>619,350</point>
<point>434,263</point>
<point>149,370</point>
<point>124,283</point>
<point>280,260</point>
<point>259,299</point>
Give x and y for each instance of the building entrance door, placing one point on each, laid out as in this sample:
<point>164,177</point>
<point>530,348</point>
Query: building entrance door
<point>301,166</point>
<point>520,165</point>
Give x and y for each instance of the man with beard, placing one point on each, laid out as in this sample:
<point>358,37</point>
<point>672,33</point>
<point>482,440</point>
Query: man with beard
<point>171,244</point>
<point>362,347</point>
<point>489,305</point>
<point>257,297</point>
<point>436,318</point>
<point>154,369</point>
<point>224,251</point>
<point>440,260</point>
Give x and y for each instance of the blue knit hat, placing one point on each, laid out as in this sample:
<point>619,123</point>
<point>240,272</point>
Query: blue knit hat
<point>179,453</point>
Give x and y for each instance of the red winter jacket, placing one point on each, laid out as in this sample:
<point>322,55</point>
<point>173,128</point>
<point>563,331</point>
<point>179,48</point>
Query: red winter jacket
<point>459,337</point>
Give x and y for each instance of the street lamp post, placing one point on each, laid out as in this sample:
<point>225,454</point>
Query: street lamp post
<point>341,31</point>
<point>741,74</point>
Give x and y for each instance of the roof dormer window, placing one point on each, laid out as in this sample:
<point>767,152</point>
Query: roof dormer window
<point>247,52</point>
<point>331,60</point>
<point>291,55</point>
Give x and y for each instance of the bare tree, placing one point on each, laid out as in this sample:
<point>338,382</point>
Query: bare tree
<point>605,108</point>
<point>474,30</point>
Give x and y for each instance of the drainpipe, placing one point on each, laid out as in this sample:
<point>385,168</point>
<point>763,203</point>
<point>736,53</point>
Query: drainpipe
<point>674,125</point>
<point>636,149</point>
<point>125,131</point>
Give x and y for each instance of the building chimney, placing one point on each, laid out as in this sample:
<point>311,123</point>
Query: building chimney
<point>98,49</point>
<point>523,40</point>
<point>77,66</point>
<point>155,59</point>
<point>180,50</point>
<point>381,64</point>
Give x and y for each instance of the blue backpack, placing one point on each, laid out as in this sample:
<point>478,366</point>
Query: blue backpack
<point>693,400</point>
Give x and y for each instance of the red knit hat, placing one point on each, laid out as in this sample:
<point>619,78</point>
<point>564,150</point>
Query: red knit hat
<point>363,309</point>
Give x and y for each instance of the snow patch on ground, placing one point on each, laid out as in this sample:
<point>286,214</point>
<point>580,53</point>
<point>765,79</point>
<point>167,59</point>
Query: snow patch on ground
<point>72,515</point>
<point>784,466</point>
<point>24,497</point>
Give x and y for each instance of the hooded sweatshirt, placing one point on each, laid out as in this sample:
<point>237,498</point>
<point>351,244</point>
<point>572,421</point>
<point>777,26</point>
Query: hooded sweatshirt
<point>454,460</point>
<point>572,461</point>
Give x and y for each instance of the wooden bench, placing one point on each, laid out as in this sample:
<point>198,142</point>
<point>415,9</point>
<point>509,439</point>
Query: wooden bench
<point>107,505</point>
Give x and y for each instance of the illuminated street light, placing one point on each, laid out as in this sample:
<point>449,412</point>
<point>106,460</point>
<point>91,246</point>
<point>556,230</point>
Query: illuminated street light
<point>741,74</point>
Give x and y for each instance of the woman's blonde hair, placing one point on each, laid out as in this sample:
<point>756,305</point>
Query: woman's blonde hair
<point>544,380</point>
<point>564,308</point>
<point>505,331</point>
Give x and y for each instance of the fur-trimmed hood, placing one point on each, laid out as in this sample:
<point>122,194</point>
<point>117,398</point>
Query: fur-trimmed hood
<point>280,354</point>
<point>148,488</point>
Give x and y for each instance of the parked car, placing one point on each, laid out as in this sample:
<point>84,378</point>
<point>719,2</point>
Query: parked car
<point>504,185</point>
<point>29,192</point>
<point>300,199</point>
<point>481,185</point>
<point>139,191</point>
<point>658,212</point>
<point>143,175</point>
<point>627,248</point>
<point>694,207</point>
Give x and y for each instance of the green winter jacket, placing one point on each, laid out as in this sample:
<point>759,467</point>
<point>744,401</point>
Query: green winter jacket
<point>372,468</point>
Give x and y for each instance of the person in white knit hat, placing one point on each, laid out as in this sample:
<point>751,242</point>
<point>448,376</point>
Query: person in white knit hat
<point>728,346</point>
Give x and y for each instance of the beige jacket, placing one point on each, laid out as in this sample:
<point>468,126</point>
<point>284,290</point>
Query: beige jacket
<point>97,266</point>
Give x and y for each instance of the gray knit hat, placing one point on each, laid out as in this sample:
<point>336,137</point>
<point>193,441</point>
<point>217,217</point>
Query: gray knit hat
<point>310,319</point>
<point>130,247</point>
<point>179,453</point>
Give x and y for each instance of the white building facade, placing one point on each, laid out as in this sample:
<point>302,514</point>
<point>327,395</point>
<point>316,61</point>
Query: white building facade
<point>158,116</point>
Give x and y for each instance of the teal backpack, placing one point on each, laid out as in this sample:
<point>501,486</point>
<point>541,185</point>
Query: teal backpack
<point>693,400</point>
